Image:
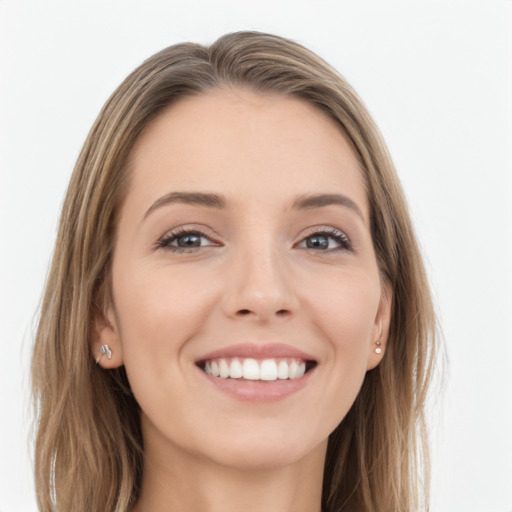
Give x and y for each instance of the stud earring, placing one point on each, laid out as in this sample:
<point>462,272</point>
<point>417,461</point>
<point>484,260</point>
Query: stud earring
<point>104,349</point>
<point>378,350</point>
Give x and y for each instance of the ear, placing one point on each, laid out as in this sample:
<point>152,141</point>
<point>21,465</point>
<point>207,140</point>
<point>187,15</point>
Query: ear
<point>106,332</point>
<point>380,329</point>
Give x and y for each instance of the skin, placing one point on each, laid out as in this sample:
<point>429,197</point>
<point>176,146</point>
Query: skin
<point>253,279</point>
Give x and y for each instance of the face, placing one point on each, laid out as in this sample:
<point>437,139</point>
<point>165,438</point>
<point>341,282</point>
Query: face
<point>246,295</point>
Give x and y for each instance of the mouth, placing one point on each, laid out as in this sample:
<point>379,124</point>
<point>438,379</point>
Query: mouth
<point>253,362</point>
<point>253,369</point>
<point>257,373</point>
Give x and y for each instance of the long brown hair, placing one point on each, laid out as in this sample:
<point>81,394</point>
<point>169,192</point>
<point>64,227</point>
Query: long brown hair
<point>89,449</point>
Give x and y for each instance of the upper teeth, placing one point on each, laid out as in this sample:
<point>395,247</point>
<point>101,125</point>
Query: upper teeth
<point>254,369</point>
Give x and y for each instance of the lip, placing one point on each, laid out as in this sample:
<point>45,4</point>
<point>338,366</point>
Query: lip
<point>268,351</point>
<point>258,391</point>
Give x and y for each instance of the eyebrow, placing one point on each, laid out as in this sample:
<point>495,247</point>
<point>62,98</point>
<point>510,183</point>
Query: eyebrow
<point>195,198</point>
<point>306,202</point>
<point>210,200</point>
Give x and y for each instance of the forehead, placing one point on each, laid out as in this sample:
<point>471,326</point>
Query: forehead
<point>245,145</point>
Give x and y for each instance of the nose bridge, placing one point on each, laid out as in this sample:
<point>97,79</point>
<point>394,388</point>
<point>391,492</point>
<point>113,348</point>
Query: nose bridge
<point>260,284</point>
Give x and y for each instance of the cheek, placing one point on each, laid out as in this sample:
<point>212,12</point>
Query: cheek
<point>344,313</point>
<point>345,308</point>
<point>158,312</point>
<point>159,305</point>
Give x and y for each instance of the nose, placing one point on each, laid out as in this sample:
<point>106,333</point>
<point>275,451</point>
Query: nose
<point>259,287</point>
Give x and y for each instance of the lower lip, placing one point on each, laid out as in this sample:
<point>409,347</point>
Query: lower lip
<point>258,391</point>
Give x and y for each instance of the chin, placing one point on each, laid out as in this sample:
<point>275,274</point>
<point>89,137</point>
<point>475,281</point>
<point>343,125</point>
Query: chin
<point>263,451</point>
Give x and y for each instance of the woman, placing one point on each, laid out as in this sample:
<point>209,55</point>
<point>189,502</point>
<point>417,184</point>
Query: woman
<point>237,314</point>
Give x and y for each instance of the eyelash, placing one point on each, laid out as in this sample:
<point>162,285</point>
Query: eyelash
<point>170,237</point>
<point>338,236</point>
<point>335,234</point>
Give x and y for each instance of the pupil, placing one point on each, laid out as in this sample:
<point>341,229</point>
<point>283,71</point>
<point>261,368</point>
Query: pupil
<point>189,241</point>
<point>317,242</point>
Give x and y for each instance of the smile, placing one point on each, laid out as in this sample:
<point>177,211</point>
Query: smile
<point>254,369</point>
<point>257,373</point>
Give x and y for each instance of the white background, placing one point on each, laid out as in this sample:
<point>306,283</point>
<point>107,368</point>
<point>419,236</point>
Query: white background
<point>437,77</point>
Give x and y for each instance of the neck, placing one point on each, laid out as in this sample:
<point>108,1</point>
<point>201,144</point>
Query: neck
<point>176,480</point>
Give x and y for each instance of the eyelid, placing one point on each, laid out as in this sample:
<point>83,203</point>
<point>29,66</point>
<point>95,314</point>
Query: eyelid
<point>172,234</point>
<point>164,242</point>
<point>329,231</point>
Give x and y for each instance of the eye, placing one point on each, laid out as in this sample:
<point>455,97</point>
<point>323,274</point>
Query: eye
<point>326,240</point>
<point>184,240</point>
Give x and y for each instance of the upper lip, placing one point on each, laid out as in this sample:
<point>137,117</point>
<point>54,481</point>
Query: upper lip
<point>252,350</point>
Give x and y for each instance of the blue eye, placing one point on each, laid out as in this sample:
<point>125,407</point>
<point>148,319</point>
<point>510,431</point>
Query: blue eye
<point>189,240</point>
<point>184,240</point>
<point>328,240</point>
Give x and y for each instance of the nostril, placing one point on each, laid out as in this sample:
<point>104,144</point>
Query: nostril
<point>280,312</point>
